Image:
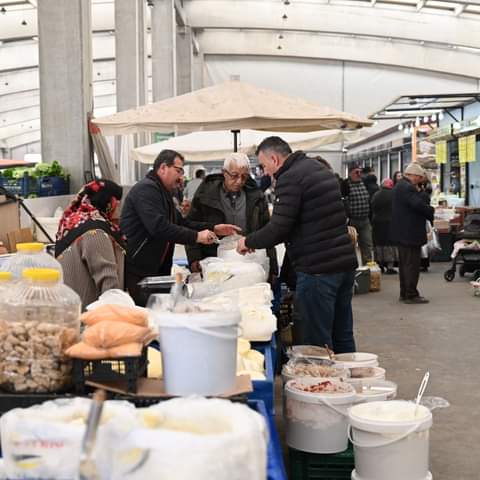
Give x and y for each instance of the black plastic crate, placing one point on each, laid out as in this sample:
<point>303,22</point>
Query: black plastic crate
<point>128,369</point>
<point>9,401</point>
<point>315,466</point>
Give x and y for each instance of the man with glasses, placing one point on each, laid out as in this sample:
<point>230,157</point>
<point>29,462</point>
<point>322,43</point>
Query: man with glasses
<point>231,197</point>
<point>153,225</point>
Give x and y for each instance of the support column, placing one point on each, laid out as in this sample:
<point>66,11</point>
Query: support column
<point>164,68</point>
<point>197,71</point>
<point>65,64</point>
<point>130,51</point>
<point>184,60</point>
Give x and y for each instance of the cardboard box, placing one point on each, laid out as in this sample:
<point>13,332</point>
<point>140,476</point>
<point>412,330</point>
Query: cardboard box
<point>10,219</point>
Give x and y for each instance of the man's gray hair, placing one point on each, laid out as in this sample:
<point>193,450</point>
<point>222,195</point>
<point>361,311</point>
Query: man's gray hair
<point>236,159</point>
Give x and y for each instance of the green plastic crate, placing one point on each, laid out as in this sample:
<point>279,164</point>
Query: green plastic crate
<point>315,466</point>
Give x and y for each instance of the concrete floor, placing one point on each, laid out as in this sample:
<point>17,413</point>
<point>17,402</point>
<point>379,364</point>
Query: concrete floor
<point>442,337</point>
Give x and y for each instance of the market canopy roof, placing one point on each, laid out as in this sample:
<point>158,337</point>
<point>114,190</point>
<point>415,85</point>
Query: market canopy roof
<point>409,107</point>
<point>229,105</point>
<point>216,145</point>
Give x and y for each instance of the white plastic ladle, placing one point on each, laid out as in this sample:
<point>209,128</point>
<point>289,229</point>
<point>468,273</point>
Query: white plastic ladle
<point>421,390</point>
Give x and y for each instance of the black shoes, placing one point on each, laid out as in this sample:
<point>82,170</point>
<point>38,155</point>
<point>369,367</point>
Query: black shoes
<point>415,300</point>
<point>391,271</point>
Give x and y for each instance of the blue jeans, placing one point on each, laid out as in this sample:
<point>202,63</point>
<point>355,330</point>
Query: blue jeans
<point>325,304</point>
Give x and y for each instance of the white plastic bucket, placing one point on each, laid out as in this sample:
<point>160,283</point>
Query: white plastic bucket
<point>317,422</point>
<point>356,359</point>
<point>377,373</point>
<point>391,440</point>
<point>375,391</point>
<point>199,351</point>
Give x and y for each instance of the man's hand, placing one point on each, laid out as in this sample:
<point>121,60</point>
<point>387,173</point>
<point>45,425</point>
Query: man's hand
<point>195,267</point>
<point>225,229</point>
<point>207,237</point>
<point>242,249</point>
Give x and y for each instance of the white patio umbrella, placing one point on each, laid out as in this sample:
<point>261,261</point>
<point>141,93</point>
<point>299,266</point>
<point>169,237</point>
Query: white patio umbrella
<point>231,105</point>
<point>215,145</point>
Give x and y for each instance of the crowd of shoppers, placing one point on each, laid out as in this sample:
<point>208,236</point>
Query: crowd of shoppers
<point>315,214</point>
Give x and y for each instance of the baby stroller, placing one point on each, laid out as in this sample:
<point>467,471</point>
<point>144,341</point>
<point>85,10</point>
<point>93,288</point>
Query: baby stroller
<point>467,249</point>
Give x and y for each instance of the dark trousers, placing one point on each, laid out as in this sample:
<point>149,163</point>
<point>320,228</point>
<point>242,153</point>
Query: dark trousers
<point>409,259</point>
<point>325,306</point>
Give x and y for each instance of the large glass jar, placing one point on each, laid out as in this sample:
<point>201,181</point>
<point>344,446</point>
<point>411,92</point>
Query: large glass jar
<point>31,255</point>
<point>42,321</point>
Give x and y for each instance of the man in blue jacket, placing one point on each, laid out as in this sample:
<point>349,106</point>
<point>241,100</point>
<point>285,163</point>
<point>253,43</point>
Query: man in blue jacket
<point>410,213</point>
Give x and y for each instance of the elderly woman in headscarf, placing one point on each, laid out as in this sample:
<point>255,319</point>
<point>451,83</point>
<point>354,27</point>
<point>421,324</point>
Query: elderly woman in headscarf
<point>385,252</point>
<point>89,245</point>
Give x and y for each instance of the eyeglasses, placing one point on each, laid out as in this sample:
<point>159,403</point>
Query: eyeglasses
<point>179,170</point>
<point>237,176</point>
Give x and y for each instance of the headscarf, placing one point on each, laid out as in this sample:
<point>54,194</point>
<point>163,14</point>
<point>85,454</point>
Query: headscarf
<point>387,183</point>
<point>91,209</point>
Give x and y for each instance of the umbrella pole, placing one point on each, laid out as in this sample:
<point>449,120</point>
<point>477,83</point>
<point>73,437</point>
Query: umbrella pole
<point>235,139</point>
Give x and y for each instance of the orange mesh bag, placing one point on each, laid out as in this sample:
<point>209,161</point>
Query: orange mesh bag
<point>108,334</point>
<point>115,313</point>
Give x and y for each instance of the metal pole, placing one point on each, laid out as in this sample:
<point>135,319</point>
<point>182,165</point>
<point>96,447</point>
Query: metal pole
<point>235,139</point>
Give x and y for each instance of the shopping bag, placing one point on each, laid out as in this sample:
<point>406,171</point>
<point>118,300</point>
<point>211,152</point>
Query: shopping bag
<point>433,243</point>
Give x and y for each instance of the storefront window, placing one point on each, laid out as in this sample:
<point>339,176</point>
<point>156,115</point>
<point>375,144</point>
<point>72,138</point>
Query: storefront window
<point>394,162</point>
<point>452,174</point>
<point>383,173</point>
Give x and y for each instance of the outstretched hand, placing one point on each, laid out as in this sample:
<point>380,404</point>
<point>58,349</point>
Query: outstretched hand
<point>226,229</point>
<point>242,249</point>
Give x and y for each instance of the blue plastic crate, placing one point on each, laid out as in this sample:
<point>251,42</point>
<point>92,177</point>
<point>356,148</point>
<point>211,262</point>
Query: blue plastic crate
<point>276,466</point>
<point>23,187</point>
<point>51,186</point>
<point>265,389</point>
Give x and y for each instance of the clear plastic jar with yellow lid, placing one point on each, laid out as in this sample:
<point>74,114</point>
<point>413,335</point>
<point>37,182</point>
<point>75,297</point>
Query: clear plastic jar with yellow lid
<point>5,285</point>
<point>31,255</point>
<point>42,320</point>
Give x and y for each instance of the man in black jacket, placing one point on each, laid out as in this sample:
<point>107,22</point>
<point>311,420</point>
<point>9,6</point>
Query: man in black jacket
<point>308,215</point>
<point>410,213</point>
<point>230,197</point>
<point>153,225</point>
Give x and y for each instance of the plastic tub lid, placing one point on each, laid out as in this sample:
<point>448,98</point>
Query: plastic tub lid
<point>376,372</point>
<point>392,416</point>
<point>41,274</point>
<point>370,389</point>
<point>337,398</point>
<point>209,319</point>
<point>357,357</point>
<point>30,247</point>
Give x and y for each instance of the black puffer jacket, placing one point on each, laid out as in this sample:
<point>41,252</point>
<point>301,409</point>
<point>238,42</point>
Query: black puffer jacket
<point>207,206</point>
<point>309,216</point>
<point>382,216</point>
<point>410,211</point>
<point>153,226</point>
